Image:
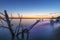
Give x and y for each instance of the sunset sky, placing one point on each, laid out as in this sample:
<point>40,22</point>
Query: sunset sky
<point>30,7</point>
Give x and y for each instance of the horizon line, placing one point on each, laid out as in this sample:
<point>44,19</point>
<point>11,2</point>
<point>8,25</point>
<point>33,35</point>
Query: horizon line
<point>33,17</point>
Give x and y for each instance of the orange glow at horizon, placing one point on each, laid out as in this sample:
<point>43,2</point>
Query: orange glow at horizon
<point>32,16</point>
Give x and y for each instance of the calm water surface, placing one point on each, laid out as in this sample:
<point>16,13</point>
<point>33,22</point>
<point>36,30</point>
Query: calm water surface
<point>40,31</point>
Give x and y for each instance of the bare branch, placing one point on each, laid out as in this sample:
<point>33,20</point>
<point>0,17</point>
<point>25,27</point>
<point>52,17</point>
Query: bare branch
<point>18,28</point>
<point>2,14</point>
<point>19,33</point>
<point>20,22</point>
<point>30,27</point>
<point>8,22</point>
<point>2,19</point>
<point>11,17</point>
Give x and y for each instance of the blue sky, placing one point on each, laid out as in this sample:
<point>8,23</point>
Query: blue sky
<point>30,7</point>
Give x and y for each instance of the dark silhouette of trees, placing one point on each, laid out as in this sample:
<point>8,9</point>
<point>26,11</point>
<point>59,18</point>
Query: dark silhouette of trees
<point>16,32</point>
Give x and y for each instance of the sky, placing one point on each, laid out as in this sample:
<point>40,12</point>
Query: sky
<point>30,7</point>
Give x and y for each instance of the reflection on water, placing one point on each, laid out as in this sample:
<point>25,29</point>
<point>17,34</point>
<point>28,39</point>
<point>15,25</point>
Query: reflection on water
<point>24,21</point>
<point>42,31</point>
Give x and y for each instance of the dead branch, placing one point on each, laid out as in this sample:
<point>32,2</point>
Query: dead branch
<point>2,19</point>
<point>9,24</point>
<point>11,17</point>
<point>28,29</point>
<point>18,28</point>
<point>33,25</point>
<point>2,14</point>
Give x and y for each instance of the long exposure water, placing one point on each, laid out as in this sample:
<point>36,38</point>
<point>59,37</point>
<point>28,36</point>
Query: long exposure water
<point>41,31</point>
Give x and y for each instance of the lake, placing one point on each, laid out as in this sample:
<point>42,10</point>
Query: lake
<point>41,31</point>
